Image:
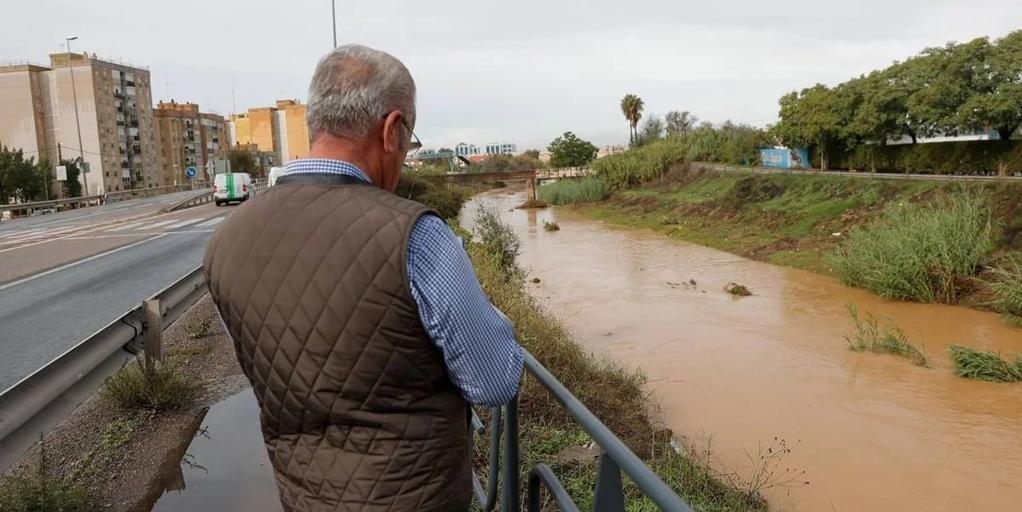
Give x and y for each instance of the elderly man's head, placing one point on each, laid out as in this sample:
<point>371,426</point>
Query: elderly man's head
<point>362,109</point>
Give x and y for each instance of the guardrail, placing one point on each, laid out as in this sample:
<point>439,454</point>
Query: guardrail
<point>40,401</point>
<point>110,197</point>
<point>860,174</point>
<point>615,458</point>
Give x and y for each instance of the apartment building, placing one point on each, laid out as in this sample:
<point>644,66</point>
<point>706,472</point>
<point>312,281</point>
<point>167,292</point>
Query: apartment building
<point>463,149</point>
<point>280,131</point>
<point>501,148</point>
<point>37,114</point>
<point>187,138</point>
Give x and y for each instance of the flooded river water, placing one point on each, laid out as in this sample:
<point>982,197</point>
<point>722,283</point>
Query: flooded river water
<point>872,432</point>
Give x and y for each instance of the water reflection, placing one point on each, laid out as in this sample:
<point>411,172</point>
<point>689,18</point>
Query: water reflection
<point>875,432</point>
<point>226,466</point>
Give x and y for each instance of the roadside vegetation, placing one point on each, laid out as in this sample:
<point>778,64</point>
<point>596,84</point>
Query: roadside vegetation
<point>149,384</point>
<point>987,366</point>
<point>919,252</point>
<point>589,189</point>
<point>39,489</point>
<point>870,336</point>
<point>614,394</point>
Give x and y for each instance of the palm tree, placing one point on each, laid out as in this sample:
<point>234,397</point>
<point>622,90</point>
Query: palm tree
<point>631,107</point>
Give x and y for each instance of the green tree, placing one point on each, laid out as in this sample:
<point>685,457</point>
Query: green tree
<point>679,122</point>
<point>20,178</point>
<point>241,161</point>
<point>995,102</point>
<point>570,151</point>
<point>531,153</point>
<point>817,116</point>
<point>632,107</point>
<point>652,130</point>
<point>72,187</point>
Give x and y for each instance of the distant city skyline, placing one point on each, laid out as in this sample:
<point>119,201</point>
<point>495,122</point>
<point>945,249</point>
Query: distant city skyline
<point>525,74</point>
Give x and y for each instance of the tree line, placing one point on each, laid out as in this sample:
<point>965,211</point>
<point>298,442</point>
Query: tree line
<point>23,179</point>
<point>949,90</point>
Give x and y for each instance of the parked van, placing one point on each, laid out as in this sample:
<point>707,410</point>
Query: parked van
<point>275,172</point>
<point>232,186</point>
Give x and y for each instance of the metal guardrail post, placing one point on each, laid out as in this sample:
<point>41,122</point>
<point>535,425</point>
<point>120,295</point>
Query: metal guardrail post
<point>609,494</point>
<point>512,500</point>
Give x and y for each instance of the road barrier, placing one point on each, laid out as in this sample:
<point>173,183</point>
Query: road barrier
<point>96,200</point>
<point>42,400</point>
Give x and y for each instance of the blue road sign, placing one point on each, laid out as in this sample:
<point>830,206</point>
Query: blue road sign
<point>190,172</point>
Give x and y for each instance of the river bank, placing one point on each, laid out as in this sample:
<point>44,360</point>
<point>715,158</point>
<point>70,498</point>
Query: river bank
<point>871,432</point>
<point>795,221</point>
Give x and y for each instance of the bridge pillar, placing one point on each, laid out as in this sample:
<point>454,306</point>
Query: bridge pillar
<point>530,189</point>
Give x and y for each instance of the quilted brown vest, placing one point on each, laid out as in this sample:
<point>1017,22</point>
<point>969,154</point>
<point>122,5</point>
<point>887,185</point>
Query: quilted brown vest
<point>357,410</point>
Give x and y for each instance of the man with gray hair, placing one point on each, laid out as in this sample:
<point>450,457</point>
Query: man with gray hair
<point>356,314</point>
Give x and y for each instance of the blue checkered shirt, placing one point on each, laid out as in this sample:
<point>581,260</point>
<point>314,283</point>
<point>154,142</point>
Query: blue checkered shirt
<point>477,341</point>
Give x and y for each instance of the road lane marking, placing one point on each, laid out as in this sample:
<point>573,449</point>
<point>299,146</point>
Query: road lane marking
<point>79,262</point>
<point>182,224</point>
<point>211,222</point>
<point>126,226</point>
<point>155,224</point>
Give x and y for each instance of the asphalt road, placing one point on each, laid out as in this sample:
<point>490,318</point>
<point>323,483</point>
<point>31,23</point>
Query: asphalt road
<point>77,273</point>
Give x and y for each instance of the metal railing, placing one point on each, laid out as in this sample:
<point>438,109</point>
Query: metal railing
<point>99,199</point>
<point>615,458</point>
<point>40,401</point>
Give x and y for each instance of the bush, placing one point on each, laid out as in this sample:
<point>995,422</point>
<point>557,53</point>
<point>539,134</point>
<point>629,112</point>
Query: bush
<point>1007,290</point>
<point>499,241</point>
<point>592,188</point>
<point>148,385</point>
<point>446,199</point>
<point>987,366</point>
<point>919,252</point>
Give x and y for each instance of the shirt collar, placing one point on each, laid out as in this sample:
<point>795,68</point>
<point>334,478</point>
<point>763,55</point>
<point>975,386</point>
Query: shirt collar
<point>324,166</point>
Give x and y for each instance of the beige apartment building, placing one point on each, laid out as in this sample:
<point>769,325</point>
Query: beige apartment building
<point>187,138</point>
<point>37,115</point>
<point>280,131</point>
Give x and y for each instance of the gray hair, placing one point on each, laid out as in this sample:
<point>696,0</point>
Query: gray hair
<point>354,88</point>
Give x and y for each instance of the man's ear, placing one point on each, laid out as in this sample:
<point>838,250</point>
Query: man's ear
<point>393,132</point>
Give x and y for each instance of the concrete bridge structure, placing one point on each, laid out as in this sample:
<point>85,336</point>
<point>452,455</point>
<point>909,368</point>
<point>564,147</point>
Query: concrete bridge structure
<point>533,178</point>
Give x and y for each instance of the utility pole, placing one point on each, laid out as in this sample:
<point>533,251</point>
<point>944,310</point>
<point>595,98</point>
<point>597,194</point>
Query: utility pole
<point>78,123</point>
<point>333,16</point>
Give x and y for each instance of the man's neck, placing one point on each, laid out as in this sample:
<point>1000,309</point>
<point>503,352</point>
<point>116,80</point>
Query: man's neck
<point>336,148</point>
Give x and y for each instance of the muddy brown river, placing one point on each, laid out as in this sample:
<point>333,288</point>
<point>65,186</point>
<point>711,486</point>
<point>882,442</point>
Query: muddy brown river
<point>872,432</point>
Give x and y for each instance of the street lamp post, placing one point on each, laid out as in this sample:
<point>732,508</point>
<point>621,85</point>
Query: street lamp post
<point>333,16</point>
<point>78,123</point>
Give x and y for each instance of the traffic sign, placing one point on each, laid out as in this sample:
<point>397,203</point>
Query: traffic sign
<point>190,172</point>
<point>61,173</point>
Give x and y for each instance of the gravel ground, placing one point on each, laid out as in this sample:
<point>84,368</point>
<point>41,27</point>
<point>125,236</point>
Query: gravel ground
<point>126,459</point>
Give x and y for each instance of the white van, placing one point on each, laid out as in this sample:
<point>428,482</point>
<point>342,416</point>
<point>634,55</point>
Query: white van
<point>232,186</point>
<point>275,172</point>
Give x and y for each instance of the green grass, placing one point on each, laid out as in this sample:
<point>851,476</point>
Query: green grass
<point>551,226</point>
<point>445,198</point>
<point>985,366</point>
<point>38,490</point>
<point>592,188</point>
<point>115,435</point>
<point>640,164</point>
<point>1006,287</point>
<point>870,336</point>
<point>148,385</point>
<point>919,252</point>
<point>613,393</point>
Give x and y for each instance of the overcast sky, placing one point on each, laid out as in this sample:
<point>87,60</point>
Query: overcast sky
<point>522,71</point>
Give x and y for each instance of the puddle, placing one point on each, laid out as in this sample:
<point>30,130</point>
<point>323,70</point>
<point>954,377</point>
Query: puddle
<point>225,467</point>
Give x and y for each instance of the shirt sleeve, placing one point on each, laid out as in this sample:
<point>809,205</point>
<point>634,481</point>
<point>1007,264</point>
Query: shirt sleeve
<point>477,341</point>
